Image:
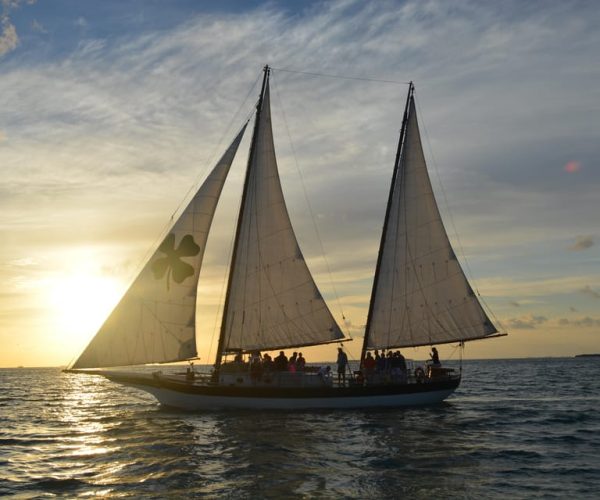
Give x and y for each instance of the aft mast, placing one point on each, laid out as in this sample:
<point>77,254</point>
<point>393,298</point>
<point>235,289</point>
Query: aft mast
<point>363,352</point>
<point>221,345</point>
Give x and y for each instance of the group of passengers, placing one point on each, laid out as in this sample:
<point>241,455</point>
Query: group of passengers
<point>263,363</point>
<point>390,365</point>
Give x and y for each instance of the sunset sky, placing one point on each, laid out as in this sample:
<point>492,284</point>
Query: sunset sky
<point>112,111</point>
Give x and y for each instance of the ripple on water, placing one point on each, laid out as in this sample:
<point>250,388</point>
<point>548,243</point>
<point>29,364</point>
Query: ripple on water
<point>521,428</point>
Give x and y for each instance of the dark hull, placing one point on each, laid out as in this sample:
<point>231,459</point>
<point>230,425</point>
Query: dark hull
<point>194,396</point>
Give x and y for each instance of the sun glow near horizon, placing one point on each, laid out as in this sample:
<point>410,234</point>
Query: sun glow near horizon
<point>81,300</point>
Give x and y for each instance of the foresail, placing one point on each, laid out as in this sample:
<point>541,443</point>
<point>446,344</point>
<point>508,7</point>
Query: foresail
<point>155,320</point>
<point>422,296</point>
<point>273,301</point>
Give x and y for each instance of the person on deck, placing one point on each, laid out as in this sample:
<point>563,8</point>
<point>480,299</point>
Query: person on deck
<point>292,363</point>
<point>369,365</point>
<point>300,362</point>
<point>435,358</point>
<point>280,362</point>
<point>398,368</point>
<point>342,366</point>
<point>325,375</point>
<point>267,363</point>
<point>380,362</point>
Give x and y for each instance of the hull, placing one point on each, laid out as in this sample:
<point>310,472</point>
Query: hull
<point>189,396</point>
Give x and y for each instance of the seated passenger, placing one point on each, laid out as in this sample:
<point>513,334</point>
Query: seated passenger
<point>325,374</point>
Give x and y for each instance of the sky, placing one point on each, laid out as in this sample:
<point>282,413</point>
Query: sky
<point>112,112</point>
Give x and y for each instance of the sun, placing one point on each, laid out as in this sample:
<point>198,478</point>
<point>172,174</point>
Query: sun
<point>81,301</point>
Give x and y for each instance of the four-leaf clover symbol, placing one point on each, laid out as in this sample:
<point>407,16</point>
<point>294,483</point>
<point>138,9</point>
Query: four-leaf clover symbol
<point>172,263</point>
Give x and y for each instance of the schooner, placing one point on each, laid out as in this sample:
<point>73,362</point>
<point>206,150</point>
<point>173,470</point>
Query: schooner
<point>420,294</point>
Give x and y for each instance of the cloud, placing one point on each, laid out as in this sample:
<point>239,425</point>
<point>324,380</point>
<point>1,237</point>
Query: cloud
<point>8,37</point>
<point>585,322</point>
<point>9,40</point>
<point>528,322</point>
<point>112,133</point>
<point>582,243</point>
<point>38,27</point>
<point>587,290</point>
<point>523,287</point>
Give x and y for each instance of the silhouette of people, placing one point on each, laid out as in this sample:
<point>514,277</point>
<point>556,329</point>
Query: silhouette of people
<point>342,365</point>
<point>292,363</point>
<point>267,363</point>
<point>190,373</point>
<point>325,374</point>
<point>369,365</point>
<point>435,358</point>
<point>281,362</point>
<point>300,363</point>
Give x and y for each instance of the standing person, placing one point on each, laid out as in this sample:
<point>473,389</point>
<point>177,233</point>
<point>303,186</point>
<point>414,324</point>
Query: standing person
<point>281,362</point>
<point>300,362</point>
<point>292,363</point>
<point>342,365</point>
<point>369,365</point>
<point>435,358</point>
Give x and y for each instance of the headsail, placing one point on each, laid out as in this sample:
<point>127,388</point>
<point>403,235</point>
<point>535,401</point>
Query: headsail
<point>420,295</point>
<point>273,301</point>
<point>155,320</point>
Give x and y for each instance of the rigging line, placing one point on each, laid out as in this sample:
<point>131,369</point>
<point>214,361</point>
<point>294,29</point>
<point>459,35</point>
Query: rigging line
<point>341,77</point>
<point>310,210</point>
<point>460,246</point>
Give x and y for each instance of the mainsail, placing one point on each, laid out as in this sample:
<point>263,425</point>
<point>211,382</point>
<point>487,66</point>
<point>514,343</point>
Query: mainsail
<point>420,294</point>
<point>272,301</point>
<point>155,320</point>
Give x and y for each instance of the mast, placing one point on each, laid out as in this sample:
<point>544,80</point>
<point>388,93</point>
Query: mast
<point>411,89</point>
<point>222,335</point>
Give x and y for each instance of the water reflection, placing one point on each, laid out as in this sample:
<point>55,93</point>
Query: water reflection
<point>67,435</point>
<point>366,454</point>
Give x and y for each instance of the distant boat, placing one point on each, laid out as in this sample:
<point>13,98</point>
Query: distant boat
<point>587,355</point>
<point>420,296</point>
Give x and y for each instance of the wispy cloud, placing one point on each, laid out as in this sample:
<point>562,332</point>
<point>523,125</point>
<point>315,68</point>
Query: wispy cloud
<point>582,243</point>
<point>585,322</point>
<point>587,290</point>
<point>101,142</point>
<point>38,27</point>
<point>528,322</point>
<point>9,40</point>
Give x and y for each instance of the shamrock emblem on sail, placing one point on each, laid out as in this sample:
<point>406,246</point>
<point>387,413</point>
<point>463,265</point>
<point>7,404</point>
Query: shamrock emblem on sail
<point>172,264</point>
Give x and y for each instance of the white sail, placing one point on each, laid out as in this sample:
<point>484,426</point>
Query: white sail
<point>155,320</point>
<point>421,296</point>
<point>273,301</point>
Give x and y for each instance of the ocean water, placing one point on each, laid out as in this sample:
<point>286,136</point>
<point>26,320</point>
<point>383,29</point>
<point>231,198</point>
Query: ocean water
<point>514,429</point>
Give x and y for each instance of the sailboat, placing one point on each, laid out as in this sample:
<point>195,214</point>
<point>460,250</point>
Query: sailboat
<point>420,295</point>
